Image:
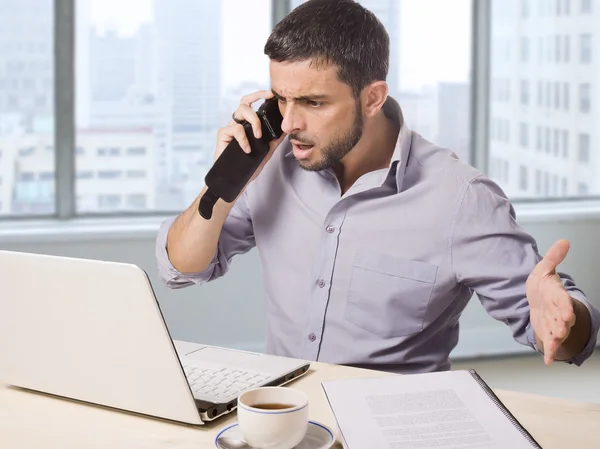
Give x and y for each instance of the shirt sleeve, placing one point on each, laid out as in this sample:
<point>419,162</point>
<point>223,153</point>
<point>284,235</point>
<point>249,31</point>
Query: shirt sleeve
<point>237,237</point>
<point>493,256</point>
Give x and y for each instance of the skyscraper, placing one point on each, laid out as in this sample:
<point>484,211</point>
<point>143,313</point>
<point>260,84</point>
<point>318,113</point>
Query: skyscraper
<point>545,98</point>
<point>26,63</point>
<point>188,41</point>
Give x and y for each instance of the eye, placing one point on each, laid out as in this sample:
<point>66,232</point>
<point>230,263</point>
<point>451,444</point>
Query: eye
<point>314,104</point>
<point>281,100</point>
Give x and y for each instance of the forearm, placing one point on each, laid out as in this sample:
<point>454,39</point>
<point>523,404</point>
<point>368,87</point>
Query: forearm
<point>192,240</point>
<point>579,335</point>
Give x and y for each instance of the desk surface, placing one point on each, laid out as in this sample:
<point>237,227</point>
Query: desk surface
<point>35,421</point>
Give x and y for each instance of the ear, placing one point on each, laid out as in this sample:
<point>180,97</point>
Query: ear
<point>374,96</point>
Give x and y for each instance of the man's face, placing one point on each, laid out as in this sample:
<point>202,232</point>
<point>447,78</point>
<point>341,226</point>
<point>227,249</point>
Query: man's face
<point>321,116</point>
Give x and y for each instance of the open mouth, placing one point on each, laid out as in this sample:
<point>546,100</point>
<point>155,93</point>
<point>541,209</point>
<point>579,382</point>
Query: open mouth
<point>301,151</point>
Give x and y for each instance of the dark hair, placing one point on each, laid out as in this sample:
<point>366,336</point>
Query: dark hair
<point>339,32</point>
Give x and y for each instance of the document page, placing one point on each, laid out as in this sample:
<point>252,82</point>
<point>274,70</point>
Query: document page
<point>447,410</point>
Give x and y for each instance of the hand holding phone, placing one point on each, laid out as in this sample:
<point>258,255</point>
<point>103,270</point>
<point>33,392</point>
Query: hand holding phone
<point>248,145</point>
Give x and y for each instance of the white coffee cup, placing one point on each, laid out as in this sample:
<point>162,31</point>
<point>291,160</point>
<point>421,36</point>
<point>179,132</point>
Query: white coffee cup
<point>273,417</point>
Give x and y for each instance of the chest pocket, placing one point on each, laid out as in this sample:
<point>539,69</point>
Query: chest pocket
<point>389,296</point>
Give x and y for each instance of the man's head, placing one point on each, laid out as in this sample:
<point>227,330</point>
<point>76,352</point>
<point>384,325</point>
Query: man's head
<point>329,62</point>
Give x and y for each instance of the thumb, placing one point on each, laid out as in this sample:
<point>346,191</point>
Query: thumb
<point>554,256</point>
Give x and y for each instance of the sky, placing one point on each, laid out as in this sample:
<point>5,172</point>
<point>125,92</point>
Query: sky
<point>435,36</point>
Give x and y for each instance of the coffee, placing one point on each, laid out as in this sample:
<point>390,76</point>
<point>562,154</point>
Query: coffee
<point>273,406</point>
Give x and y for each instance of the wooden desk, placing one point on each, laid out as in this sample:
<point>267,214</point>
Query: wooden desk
<point>36,421</point>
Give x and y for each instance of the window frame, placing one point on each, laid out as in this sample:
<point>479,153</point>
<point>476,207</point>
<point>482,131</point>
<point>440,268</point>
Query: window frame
<point>65,126</point>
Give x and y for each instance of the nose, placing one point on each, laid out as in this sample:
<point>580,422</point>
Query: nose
<point>292,121</point>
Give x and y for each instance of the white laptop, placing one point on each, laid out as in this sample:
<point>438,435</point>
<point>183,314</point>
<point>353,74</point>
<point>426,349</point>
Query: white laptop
<point>93,331</point>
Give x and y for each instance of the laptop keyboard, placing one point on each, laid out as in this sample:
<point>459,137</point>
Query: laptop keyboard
<point>221,383</point>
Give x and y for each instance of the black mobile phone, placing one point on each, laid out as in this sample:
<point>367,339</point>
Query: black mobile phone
<point>233,168</point>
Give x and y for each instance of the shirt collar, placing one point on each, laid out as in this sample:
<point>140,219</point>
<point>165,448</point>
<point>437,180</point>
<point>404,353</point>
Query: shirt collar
<point>401,153</point>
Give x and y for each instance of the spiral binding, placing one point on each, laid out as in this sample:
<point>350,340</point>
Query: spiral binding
<point>485,387</point>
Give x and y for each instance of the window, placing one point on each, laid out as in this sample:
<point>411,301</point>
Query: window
<point>567,43</point>
<point>525,8</point>
<point>584,148</point>
<point>565,144</point>
<point>585,55</point>
<point>431,79</point>
<point>524,135</point>
<point>155,76</point>
<point>26,108</point>
<point>562,87</point>
<point>584,98</point>
<point>524,92</point>
<point>524,49</point>
<point>523,177</point>
<point>586,6</point>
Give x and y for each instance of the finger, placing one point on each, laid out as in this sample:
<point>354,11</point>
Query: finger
<point>550,346</point>
<point>245,112</point>
<point>230,132</point>
<point>554,256</point>
<point>564,304</point>
<point>251,98</point>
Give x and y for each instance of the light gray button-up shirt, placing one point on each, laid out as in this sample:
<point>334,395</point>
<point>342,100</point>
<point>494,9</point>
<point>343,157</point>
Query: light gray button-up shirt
<point>379,276</point>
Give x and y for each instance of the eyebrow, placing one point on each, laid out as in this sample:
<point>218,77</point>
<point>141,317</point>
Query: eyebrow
<point>314,97</point>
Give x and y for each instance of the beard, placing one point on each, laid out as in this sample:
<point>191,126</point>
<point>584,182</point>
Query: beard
<point>340,146</point>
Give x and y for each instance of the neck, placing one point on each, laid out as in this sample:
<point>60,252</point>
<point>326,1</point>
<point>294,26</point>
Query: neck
<point>373,151</point>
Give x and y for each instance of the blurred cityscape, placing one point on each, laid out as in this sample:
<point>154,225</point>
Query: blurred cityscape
<point>149,103</point>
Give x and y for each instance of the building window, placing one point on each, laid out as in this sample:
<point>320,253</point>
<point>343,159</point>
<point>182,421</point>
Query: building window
<point>583,189</point>
<point>586,6</point>
<point>136,174</point>
<point>524,92</point>
<point>585,52</point>
<point>137,201</point>
<point>567,43</point>
<point>556,142</point>
<point>525,9</point>
<point>584,148</point>
<point>556,95</point>
<point>523,177</point>
<point>566,96</point>
<point>85,174</point>
<point>584,98</point>
<point>109,174</point>
<point>136,151</point>
<point>524,49</point>
<point>539,141</point>
<point>565,143</point>
<point>109,201</point>
<point>524,135</point>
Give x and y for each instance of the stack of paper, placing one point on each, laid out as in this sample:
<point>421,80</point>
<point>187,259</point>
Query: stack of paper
<point>451,409</point>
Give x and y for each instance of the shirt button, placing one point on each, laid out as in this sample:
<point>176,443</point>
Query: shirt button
<point>330,229</point>
<point>321,283</point>
<point>312,337</point>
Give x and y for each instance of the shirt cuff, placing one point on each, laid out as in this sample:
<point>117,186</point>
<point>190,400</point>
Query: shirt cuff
<point>594,324</point>
<point>172,277</point>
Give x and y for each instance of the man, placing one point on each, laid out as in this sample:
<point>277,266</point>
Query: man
<point>372,239</point>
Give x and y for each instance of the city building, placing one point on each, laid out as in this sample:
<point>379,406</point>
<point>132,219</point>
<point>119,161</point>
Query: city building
<point>545,98</point>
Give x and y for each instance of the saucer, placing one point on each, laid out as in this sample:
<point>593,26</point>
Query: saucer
<point>317,436</point>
